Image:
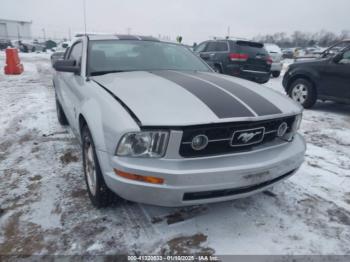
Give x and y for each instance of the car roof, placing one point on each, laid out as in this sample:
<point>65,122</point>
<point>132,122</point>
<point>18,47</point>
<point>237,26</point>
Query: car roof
<point>233,40</point>
<point>118,37</point>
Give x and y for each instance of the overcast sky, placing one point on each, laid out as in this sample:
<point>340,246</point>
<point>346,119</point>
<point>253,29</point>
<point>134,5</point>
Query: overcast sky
<point>195,20</point>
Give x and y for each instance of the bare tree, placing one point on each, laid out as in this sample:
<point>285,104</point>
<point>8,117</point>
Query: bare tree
<point>303,39</point>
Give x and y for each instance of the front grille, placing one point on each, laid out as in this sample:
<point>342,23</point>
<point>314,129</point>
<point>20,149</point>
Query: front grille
<point>232,191</point>
<point>220,136</point>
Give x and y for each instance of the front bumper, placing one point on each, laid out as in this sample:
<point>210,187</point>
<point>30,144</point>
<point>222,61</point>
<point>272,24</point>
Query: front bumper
<point>204,180</point>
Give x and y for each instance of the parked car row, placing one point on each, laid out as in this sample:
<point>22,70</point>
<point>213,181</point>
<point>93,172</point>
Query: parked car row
<point>4,43</point>
<point>321,75</point>
<point>27,46</point>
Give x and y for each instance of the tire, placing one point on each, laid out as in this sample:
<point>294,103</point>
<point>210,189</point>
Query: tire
<point>218,69</point>
<point>100,195</point>
<point>62,119</point>
<point>303,92</point>
<point>276,73</point>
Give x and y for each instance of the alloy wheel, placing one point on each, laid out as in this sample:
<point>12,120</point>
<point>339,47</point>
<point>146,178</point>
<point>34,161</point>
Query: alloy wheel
<point>300,93</point>
<point>90,167</point>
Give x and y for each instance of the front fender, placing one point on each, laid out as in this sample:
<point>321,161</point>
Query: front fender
<point>306,73</point>
<point>91,113</point>
<point>106,118</point>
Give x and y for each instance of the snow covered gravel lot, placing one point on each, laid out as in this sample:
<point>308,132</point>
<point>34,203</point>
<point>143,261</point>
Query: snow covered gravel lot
<point>44,208</point>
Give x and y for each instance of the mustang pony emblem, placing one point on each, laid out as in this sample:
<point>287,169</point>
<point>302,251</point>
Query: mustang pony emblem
<point>246,137</point>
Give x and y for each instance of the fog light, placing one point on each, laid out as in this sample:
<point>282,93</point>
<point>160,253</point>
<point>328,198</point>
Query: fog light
<point>199,142</point>
<point>147,179</point>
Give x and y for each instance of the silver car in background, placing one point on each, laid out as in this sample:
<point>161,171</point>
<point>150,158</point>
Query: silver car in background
<point>158,126</point>
<point>276,56</point>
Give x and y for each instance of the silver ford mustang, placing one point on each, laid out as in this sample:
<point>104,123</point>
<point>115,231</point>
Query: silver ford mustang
<point>158,126</point>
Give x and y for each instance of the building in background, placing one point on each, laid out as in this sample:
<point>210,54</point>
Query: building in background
<point>15,30</point>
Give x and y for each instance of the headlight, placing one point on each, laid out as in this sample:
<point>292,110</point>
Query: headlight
<point>287,133</point>
<point>143,144</point>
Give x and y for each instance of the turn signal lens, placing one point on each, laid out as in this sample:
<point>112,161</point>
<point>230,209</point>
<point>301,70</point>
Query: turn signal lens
<point>147,179</point>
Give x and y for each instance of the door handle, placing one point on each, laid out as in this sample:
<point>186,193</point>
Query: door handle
<point>205,56</point>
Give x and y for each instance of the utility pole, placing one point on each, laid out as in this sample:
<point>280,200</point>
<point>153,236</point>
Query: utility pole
<point>128,30</point>
<point>228,32</point>
<point>69,34</point>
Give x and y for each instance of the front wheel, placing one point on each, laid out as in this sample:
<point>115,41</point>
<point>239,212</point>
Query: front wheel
<point>99,194</point>
<point>303,92</point>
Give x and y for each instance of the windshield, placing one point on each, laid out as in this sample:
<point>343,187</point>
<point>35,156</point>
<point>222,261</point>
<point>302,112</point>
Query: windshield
<point>251,48</point>
<point>132,55</point>
<point>335,49</point>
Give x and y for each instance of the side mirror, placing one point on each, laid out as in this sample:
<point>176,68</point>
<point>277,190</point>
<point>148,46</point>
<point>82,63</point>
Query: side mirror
<point>66,66</point>
<point>338,57</point>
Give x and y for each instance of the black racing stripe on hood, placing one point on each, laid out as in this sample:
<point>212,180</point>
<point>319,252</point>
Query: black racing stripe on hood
<point>222,104</point>
<point>259,104</point>
<point>132,114</point>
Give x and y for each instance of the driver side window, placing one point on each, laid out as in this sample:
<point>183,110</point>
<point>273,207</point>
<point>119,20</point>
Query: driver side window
<point>200,48</point>
<point>346,58</point>
<point>76,52</point>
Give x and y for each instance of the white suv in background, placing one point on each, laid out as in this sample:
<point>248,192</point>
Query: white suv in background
<point>276,56</point>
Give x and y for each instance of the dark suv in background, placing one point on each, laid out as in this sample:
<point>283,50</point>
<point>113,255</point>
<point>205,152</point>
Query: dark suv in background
<point>324,78</point>
<point>244,59</point>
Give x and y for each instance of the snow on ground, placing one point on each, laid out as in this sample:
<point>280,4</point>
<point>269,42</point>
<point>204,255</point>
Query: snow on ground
<point>44,208</point>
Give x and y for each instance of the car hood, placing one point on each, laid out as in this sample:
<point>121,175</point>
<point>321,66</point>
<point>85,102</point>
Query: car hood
<point>179,98</point>
<point>309,61</point>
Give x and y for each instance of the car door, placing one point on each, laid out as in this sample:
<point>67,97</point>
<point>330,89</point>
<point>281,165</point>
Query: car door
<point>216,55</point>
<point>220,56</point>
<point>200,48</point>
<point>209,52</point>
<point>344,74</point>
<point>72,84</point>
<point>201,51</point>
<point>205,51</point>
<point>335,77</point>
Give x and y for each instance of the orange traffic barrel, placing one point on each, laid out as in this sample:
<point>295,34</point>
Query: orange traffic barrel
<point>13,64</point>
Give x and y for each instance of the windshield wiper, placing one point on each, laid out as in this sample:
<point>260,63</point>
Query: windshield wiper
<point>98,73</point>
